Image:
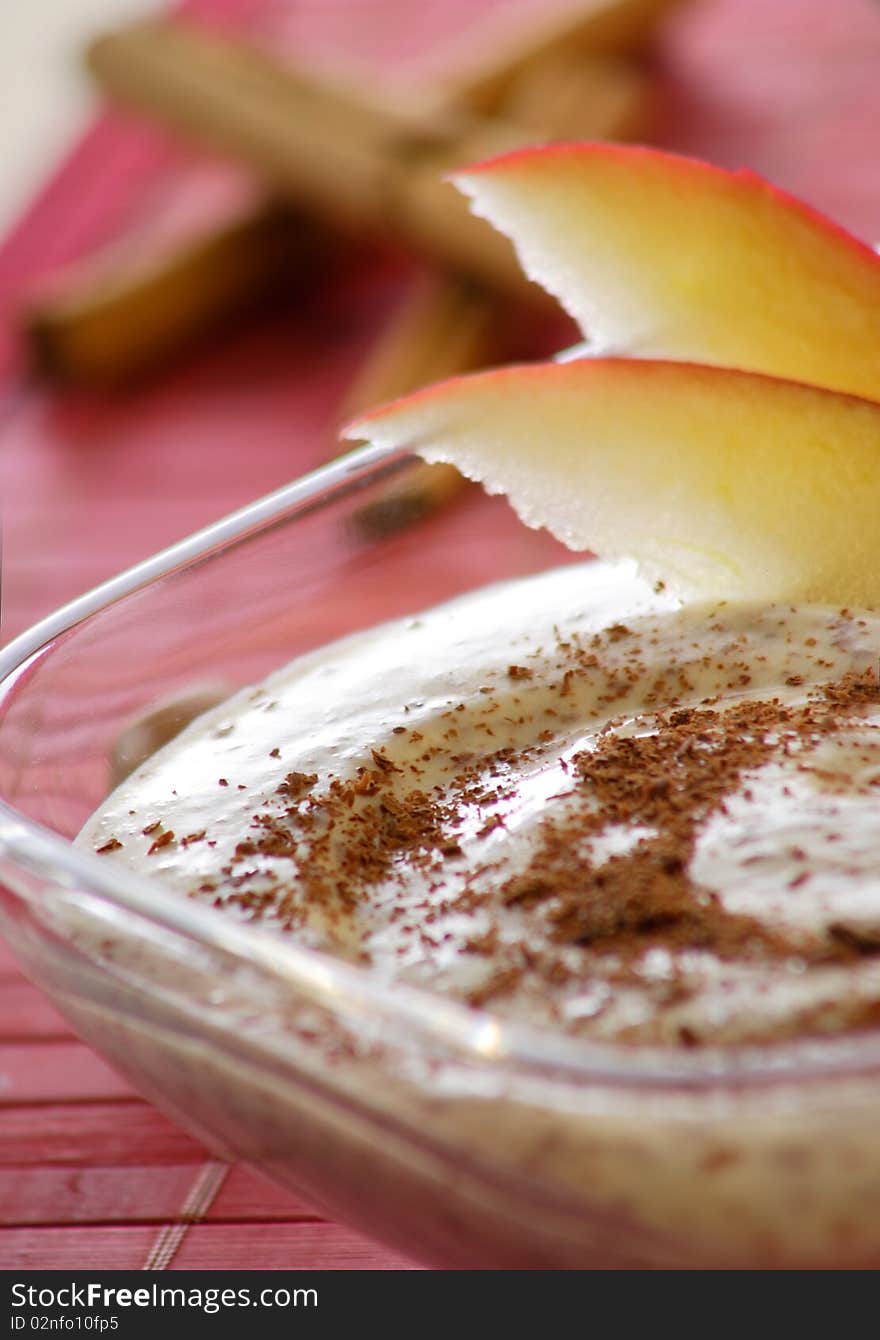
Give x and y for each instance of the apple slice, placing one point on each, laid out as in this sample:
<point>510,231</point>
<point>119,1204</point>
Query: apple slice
<point>660,256</point>
<point>721,482</point>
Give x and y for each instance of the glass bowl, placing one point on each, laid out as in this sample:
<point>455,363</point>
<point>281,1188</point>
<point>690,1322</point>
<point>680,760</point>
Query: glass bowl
<point>462,1139</point>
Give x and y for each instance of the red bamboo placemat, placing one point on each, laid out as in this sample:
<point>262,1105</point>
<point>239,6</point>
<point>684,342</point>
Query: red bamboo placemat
<point>89,1174</point>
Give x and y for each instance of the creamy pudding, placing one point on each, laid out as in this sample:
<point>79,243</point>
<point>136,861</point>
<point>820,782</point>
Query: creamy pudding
<point>567,799</point>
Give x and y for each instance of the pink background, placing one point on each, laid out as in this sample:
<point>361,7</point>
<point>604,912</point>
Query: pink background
<point>89,1174</point>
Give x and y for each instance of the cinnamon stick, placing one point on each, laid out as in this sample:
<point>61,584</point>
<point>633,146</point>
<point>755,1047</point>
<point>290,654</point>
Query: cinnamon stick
<point>442,328</point>
<point>562,97</point>
<point>339,155</point>
<point>127,310</point>
<point>578,97</point>
<point>490,63</point>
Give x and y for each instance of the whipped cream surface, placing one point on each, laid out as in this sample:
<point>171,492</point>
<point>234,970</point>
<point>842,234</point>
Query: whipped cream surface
<point>566,798</point>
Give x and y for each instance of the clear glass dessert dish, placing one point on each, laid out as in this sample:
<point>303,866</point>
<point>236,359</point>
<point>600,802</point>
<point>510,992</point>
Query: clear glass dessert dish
<point>458,1136</point>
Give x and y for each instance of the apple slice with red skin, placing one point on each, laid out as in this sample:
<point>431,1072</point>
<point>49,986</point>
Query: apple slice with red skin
<point>721,482</point>
<point>661,256</point>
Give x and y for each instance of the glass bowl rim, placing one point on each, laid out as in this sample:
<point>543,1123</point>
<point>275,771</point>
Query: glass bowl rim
<point>475,1035</point>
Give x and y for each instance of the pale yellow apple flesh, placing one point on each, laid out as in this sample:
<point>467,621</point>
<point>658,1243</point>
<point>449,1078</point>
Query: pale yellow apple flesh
<point>722,483</point>
<point>660,256</point>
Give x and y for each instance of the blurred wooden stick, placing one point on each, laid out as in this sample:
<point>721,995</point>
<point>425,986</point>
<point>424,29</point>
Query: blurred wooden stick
<point>128,310</point>
<point>358,162</point>
<point>489,70</point>
<point>577,97</point>
<point>458,328</point>
<point>443,328</point>
<point>375,165</point>
<point>119,314</point>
